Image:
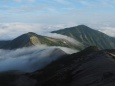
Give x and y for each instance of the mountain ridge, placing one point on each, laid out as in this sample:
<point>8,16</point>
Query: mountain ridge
<point>84,68</point>
<point>31,39</point>
<point>88,36</point>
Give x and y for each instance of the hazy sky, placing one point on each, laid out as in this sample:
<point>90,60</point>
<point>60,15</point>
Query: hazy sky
<point>58,11</point>
<point>15,14</point>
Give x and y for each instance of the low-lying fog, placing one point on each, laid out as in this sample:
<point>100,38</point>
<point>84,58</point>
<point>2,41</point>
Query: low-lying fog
<point>31,58</point>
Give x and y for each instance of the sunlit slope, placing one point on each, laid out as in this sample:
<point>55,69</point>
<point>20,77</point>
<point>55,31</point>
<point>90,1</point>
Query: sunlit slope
<point>88,36</point>
<point>31,39</point>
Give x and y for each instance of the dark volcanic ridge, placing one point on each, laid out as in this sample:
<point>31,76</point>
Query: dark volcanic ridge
<point>90,67</point>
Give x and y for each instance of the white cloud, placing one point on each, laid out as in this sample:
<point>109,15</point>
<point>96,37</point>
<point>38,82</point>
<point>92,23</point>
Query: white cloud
<point>24,0</point>
<point>97,3</point>
<point>13,30</point>
<point>30,59</point>
<point>108,30</point>
<point>56,11</point>
<point>54,35</point>
<point>23,8</point>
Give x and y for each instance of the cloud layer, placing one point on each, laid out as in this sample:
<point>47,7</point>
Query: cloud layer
<point>30,59</point>
<point>108,30</point>
<point>13,30</point>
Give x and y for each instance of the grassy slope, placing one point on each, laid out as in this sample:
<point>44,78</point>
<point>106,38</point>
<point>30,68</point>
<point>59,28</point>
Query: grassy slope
<point>31,39</point>
<point>88,36</point>
<point>54,42</point>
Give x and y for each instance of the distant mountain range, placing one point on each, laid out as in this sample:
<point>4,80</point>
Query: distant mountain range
<point>83,34</point>
<point>88,36</point>
<point>31,39</point>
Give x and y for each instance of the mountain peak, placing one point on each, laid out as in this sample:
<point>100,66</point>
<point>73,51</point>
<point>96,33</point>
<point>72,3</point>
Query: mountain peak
<point>31,39</point>
<point>88,36</point>
<point>83,26</point>
<point>32,34</point>
<point>79,27</point>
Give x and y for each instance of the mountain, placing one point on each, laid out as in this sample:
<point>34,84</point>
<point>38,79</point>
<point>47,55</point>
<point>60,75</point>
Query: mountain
<point>88,36</point>
<point>89,67</point>
<point>30,39</point>
<point>4,43</point>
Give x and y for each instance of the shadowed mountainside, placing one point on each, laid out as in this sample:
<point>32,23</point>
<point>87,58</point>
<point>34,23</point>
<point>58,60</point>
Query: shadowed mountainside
<point>90,67</point>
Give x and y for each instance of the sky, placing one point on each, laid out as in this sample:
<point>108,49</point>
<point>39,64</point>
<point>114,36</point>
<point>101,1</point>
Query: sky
<point>47,15</point>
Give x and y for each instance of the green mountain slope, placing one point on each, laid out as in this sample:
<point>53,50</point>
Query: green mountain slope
<point>88,36</point>
<point>30,39</point>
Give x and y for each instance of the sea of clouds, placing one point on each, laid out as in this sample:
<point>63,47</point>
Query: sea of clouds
<point>34,58</point>
<point>13,30</point>
<point>30,59</point>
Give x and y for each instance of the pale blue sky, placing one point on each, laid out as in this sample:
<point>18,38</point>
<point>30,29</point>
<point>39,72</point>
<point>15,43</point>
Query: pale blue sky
<point>42,16</point>
<point>58,11</point>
